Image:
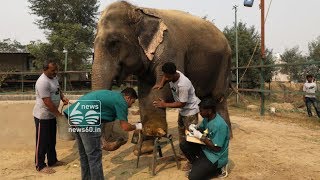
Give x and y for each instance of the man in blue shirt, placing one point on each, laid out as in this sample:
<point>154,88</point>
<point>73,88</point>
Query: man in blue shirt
<point>207,160</point>
<point>113,106</point>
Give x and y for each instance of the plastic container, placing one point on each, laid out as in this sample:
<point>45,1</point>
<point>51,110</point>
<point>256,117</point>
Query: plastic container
<point>63,128</point>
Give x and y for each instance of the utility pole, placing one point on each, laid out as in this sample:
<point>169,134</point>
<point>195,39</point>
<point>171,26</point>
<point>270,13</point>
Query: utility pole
<point>263,57</point>
<point>235,7</point>
<point>65,69</point>
<point>249,3</point>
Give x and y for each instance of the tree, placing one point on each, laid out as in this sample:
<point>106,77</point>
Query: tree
<point>314,55</point>
<point>7,45</point>
<point>249,51</point>
<point>69,24</point>
<point>293,55</point>
<point>52,12</point>
<point>314,49</point>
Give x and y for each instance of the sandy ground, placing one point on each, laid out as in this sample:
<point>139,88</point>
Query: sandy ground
<point>272,147</point>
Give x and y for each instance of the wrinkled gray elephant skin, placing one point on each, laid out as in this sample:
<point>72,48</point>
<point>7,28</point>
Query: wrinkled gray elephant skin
<point>135,40</point>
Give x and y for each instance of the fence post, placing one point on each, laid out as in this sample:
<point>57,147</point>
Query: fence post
<point>22,84</point>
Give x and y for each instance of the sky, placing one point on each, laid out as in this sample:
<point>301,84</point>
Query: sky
<point>289,23</point>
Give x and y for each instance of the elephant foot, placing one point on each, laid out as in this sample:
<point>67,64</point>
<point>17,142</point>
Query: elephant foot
<point>158,132</point>
<point>147,147</point>
<point>112,145</point>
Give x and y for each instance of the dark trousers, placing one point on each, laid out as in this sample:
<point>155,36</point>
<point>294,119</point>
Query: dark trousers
<point>183,124</point>
<point>202,167</point>
<point>89,145</point>
<point>314,102</point>
<point>46,130</point>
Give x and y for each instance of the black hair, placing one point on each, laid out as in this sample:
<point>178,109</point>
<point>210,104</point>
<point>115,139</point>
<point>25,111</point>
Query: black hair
<point>169,68</point>
<point>309,76</point>
<point>208,104</point>
<point>46,64</point>
<point>130,92</point>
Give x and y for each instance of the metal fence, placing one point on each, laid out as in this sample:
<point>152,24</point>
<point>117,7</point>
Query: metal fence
<point>24,82</point>
<point>262,91</point>
<point>70,81</point>
<point>79,82</point>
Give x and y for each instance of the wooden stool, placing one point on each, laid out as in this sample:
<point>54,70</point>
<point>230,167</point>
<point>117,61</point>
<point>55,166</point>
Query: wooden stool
<point>158,142</point>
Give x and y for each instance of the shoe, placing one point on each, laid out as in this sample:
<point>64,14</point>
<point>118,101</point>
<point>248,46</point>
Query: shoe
<point>224,172</point>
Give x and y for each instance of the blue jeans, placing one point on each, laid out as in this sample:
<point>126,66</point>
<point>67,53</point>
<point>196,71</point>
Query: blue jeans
<point>90,152</point>
<point>314,102</point>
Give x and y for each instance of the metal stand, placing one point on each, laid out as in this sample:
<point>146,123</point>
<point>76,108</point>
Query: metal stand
<point>158,142</point>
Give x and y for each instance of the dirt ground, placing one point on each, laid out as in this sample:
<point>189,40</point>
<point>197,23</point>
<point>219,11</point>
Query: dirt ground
<point>279,146</point>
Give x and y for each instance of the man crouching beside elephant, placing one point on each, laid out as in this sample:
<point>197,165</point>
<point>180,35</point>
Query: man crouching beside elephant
<point>184,95</point>
<point>209,159</point>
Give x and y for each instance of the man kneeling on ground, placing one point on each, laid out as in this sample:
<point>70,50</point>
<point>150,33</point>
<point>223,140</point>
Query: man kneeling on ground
<point>207,160</point>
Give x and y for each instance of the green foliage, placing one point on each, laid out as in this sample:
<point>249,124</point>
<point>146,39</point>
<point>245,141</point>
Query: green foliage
<point>314,49</point>
<point>314,55</point>
<point>64,11</point>
<point>42,52</point>
<point>293,55</point>
<point>248,41</point>
<point>70,25</point>
<point>7,45</point>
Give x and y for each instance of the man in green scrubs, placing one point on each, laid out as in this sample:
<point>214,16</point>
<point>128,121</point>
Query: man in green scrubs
<point>85,117</point>
<point>207,160</point>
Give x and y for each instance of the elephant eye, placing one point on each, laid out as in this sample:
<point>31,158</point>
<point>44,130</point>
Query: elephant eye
<point>113,47</point>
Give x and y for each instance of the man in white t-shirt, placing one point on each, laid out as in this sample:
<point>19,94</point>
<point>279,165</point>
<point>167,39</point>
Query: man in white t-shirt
<point>45,111</point>
<point>184,95</point>
<point>310,87</point>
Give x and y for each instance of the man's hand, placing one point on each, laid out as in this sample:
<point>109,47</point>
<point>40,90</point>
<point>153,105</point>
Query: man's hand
<point>159,103</point>
<point>58,114</point>
<point>197,134</point>
<point>157,86</point>
<point>138,126</point>
<point>65,100</point>
<point>192,127</point>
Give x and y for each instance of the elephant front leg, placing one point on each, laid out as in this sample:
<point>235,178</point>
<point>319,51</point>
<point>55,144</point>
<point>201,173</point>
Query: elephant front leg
<point>153,119</point>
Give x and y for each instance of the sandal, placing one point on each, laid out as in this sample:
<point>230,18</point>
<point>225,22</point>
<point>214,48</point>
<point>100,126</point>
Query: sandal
<point>47,170</point>
<point>187,167</point>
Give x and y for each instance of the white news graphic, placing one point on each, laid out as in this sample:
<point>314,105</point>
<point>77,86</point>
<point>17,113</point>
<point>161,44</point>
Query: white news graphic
<point>85,113</point>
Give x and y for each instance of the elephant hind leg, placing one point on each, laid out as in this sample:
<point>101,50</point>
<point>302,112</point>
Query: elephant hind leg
<point>222,109</point>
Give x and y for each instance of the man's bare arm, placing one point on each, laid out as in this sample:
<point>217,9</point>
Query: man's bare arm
<point>52,108</point>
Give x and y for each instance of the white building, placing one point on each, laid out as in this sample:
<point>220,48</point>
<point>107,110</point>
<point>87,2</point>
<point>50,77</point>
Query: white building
<point>278,76</point>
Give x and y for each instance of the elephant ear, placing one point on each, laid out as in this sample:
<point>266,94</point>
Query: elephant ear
<point>150,32</point>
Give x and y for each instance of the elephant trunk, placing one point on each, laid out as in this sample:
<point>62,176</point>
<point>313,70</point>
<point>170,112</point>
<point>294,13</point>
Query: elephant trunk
<point>103,70</point>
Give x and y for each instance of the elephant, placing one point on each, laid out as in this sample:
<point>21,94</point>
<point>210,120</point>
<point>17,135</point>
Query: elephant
<point>135,40</point>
